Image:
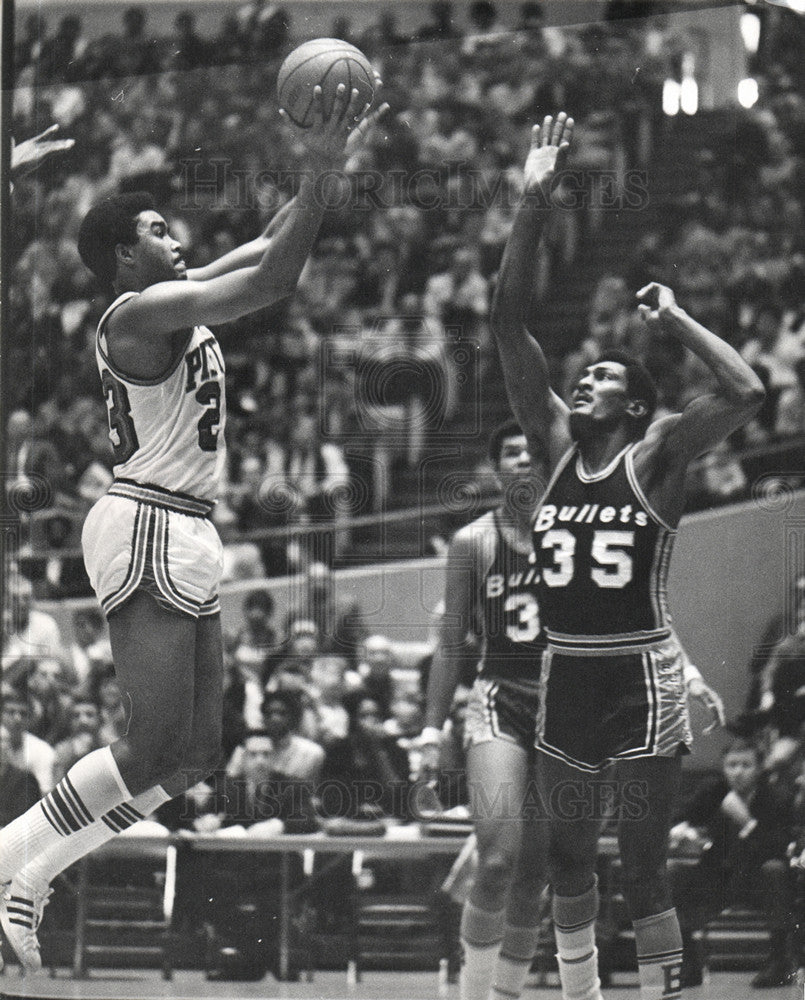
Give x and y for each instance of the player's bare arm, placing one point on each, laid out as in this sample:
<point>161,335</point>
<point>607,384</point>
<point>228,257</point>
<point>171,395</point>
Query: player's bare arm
<point>457,622</point>
<point>168,306</point>
<point>250,254</point>
<point>671,443</point>
<point>540,412</point>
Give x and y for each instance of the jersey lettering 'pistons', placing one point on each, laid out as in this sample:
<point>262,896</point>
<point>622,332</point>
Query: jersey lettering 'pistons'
<point>602,553</point>
<point>513,636</point>
<point>168,432</point>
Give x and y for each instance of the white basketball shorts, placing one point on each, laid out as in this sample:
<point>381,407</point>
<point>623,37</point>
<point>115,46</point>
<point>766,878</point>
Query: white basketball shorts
<point>145,538</point>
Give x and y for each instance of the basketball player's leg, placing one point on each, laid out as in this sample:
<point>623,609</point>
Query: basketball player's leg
<point>497,771</point>
<point>527,901</point>
<point>203,751</point>
<point>572,857</point>
<point>109,788</point>
<point>643,842</point>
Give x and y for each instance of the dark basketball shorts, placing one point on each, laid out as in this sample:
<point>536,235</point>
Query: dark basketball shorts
<point>502,710</point>
<point>599,706</point>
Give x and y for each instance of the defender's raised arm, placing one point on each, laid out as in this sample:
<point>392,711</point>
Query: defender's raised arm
<point>713,416</point>
<point>540,412</point>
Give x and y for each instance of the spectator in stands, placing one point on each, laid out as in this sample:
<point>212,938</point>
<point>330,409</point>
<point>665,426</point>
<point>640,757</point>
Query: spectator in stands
<point>373,673</point>
<point>137,53</point>
<point>782,623</point>
<point>328,689</point>
<point>772,347</point>
<point>742,824</point>
<point>717,478</point>
<point>85,735</point>
<point>289,668</point>
<point>368,770</point>
<point>50,700</point>
<point>782,687</point>
<point>90,648</point>
<point>105,692</point>
<point>440,27</point>
<point>27,632</point>
<point>790,417</point>
<point>19,747</point>
<point>264,800</point>
<point>405,725</point>
<point>190,50</point>
<point>459,296</point>
<point>250,649</point>
<point>293,757</point>
<point>339,624</point>
<point>315,469</point>
<point>60,55</point>
<point>484,32</point>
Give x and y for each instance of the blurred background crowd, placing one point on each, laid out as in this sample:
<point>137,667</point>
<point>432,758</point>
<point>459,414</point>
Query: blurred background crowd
<point>338,398</point>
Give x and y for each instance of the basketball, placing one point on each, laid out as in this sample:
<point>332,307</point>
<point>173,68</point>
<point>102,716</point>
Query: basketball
<point>324,62</point>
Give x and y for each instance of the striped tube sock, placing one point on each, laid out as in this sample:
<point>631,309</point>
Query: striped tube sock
<point>40,872</point>
<point>659,956</point>
<point>481,937</point>
<point>574,926</point>
<point>514,961</point>
<point>90,788</point>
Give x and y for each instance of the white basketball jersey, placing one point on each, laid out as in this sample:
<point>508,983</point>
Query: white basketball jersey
<point>168,432</point>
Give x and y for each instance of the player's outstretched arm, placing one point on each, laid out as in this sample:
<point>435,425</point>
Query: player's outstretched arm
<point>174,305</point>
<point>713,416</point>
<point>456,624</point>
<point>250,254</point>
<point>540,412</point>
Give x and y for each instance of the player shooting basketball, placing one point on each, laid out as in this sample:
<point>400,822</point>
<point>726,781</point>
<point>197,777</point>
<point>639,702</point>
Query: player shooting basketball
<point>152,554</point>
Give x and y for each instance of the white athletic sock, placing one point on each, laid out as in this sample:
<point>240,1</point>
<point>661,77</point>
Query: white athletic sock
<point>481,937</point>
<point>40,872</point>
<point>574,926</point>
<point>91,787</point>
<point>659,956</point>
<point>514,961</point>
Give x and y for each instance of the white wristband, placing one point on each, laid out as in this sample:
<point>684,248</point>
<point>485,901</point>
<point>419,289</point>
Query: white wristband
<point>430,736</point>
<point>744,832</point>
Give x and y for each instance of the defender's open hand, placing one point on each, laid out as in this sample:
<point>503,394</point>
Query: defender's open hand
<point>549,145</point>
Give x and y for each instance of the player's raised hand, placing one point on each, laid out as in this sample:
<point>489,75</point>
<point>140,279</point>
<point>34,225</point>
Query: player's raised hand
<point>549,145</point>
<point>29,154</point>
<point>655,299</point>
<point>325,140</point>
<point>364,126</point>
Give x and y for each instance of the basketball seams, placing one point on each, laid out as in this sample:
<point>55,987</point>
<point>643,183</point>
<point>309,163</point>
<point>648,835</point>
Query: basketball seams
<point>351,68</point>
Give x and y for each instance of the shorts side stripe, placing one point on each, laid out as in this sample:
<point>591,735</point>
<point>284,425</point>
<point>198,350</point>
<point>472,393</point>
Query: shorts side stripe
<point>160,562</point>
<point>139,534</point>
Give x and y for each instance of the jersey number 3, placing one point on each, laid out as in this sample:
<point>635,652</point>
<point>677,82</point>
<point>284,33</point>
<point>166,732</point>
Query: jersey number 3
<point>610,553</point>
<point>121,427</point>
<point>526,628</point>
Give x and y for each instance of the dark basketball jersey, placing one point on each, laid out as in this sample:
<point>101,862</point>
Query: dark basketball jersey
<point>513,640</point>
<point>603,557</point>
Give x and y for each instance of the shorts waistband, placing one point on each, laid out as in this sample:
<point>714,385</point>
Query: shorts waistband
<point>156,496</point>
<point>607,645</point>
